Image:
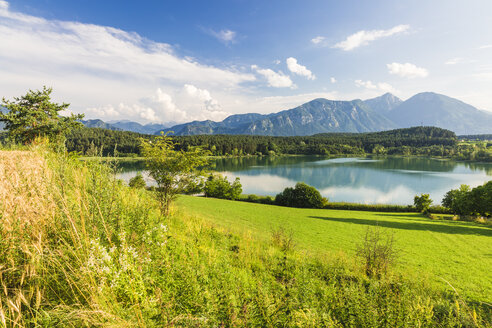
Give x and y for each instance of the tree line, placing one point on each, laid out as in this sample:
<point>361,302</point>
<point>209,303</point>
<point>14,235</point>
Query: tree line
<point>412,141</point>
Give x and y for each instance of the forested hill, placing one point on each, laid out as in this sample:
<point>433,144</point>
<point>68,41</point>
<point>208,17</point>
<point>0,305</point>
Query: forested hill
<point>417,140</point>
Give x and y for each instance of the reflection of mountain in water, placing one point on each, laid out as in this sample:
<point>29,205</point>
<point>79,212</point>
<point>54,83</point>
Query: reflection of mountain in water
<point>368,180</point>
<point>380,175</point>
<point>354,176</point>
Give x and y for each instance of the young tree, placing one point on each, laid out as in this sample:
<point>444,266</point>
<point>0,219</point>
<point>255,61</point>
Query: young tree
<point>422,203</point>
<point>173,170</point>
<point>34,115</point>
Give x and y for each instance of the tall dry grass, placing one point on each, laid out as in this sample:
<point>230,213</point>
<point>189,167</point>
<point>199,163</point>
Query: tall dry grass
<point>52,210</point>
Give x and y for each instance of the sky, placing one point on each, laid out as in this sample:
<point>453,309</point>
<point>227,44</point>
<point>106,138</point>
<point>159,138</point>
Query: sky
<point>179,60</point>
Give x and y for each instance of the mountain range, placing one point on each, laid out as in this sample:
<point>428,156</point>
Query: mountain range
<point>323,115</point>
<point>126,125</point>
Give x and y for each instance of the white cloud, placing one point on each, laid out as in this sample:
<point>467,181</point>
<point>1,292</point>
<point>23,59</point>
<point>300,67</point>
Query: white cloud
<point>91,65</point>
<point>407,70</point>
<point>159,107</point>
<point>486,46</point>
<point>226,36</point>
<point>318,39</point>
<point>363,37</point>
<point>298,69</point>
<point>382,86</point>
<point>204,95</point>
<point>458,60</point>
<point>275,79</point>
<point>333,80</point>
<point>454,61</point>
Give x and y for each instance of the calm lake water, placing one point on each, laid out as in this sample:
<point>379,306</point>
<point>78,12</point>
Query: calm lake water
<point>388,180</point>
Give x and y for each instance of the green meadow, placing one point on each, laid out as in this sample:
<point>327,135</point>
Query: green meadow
<point>449,254</point>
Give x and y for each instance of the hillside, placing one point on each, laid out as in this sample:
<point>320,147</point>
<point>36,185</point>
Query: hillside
<point>430,108</point>
<point>316,116</point>
<point>80,249</point>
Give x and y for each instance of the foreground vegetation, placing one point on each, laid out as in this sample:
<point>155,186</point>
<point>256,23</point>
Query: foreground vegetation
<point>441,250</point>
<point>78,248</point>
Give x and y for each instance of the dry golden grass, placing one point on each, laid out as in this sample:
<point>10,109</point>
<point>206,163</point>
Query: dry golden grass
<point>25,209</point>
<point>24,181</point>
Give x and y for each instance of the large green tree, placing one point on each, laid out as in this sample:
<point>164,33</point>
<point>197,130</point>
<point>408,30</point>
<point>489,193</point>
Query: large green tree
<point>35,115</point>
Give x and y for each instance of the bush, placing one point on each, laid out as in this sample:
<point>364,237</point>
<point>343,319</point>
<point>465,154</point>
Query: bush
<point>422,203</point>
<point>377,251</point>
<point>220,187</point>
<point>137,181</point>
<point>302,195</point>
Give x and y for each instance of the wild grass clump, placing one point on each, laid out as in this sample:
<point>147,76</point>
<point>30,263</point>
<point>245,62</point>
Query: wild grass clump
<point>78,248</point>
<point>377,251</point>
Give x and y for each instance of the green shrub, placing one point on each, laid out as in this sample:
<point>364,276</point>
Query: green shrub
<point>137,181</point>
<point>422,203</point>
<point>220,187</point>
<point>302,195</point>
<point>252,198</point>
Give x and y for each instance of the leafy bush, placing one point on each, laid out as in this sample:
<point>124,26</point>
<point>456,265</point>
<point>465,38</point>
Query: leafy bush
<point>302,195</point>
<point>220,187</point>
<point>422,203</point>
<point>137,181</point>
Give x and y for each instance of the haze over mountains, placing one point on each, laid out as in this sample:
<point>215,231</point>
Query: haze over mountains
<point>322,115</point>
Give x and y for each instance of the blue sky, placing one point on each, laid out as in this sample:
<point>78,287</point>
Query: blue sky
<point>158,61</point>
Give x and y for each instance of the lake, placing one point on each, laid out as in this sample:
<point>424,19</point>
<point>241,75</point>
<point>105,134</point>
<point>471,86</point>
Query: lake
<point>383,180</point>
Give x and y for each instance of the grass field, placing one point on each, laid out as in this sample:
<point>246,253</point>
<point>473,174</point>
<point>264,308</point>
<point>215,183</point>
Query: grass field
<point>458,253</point>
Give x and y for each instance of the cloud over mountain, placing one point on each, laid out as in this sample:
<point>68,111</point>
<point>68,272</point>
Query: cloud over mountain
<point>407,70</point>
<point>299,69</point>
<point>275,79</point>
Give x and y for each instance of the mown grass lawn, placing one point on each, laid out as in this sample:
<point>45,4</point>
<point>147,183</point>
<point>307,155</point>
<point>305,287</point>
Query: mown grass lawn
<point>458,253</point>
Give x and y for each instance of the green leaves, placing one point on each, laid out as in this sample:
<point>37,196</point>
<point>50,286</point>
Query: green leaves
<point>34,115</point>
<point>173,170</point>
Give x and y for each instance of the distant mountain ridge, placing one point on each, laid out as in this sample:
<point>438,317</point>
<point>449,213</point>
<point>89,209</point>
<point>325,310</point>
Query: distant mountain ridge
<point>429,108</point>
<point>126,125</point>
<point>324,116</point>
<point>317,116</point>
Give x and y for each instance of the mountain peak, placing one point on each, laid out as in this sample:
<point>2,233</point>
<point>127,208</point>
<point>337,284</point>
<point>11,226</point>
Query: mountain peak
<point>383,104</point>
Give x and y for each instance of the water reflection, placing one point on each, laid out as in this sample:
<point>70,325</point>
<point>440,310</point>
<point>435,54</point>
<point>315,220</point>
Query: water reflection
<point>363,180</point>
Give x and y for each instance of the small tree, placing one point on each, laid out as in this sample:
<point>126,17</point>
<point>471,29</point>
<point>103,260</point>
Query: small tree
<point>173,170</point>
<point>422,203</point>
<point>34,115</point>
<point>137,181</point>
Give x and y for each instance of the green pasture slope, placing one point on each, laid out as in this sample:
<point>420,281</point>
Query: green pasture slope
<point>458,253</point>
